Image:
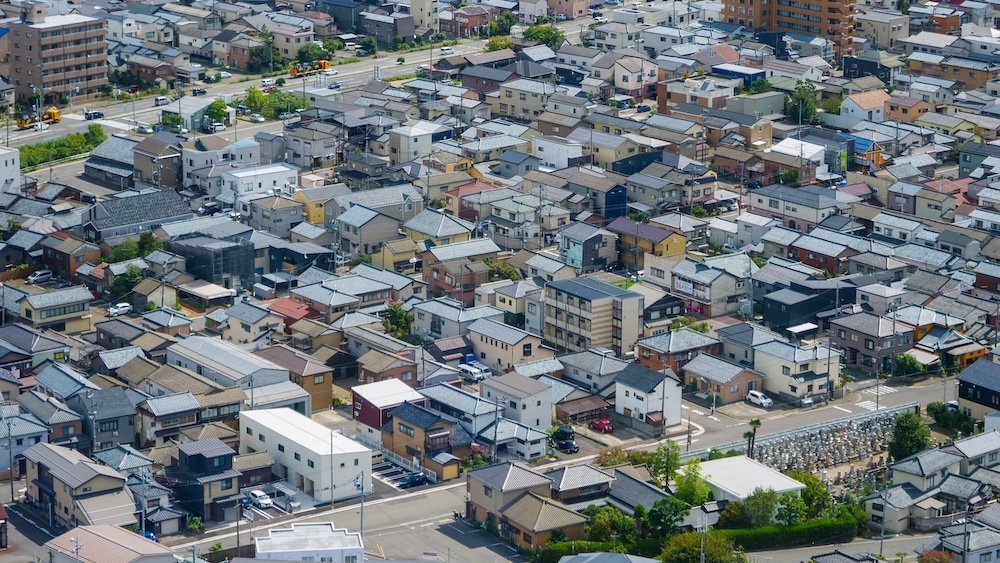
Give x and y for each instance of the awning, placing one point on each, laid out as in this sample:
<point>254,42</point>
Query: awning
<point>930,504</point>
<point>285,489</point>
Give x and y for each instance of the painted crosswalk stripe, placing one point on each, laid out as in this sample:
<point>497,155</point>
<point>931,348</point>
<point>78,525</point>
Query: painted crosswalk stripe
<point>879,390</point>
<point>841,409</point>
<point>869,405</point>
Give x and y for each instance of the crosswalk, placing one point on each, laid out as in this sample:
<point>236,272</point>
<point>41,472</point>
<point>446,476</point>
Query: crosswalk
<point>879,391</point>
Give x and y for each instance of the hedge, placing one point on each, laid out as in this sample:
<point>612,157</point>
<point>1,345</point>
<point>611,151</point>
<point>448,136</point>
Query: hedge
<point>69,145</point>
<point>820,530</point>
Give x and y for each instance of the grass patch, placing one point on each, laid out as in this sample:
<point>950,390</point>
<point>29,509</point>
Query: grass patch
<point>345,61</point>
<point>60,148</point>
<point>398,77</point>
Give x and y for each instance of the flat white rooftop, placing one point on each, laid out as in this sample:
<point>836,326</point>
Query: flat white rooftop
<point>301,430</point>
<point>311,537</point>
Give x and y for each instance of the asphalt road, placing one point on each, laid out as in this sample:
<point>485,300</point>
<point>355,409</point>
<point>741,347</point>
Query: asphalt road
<point>120,117</point>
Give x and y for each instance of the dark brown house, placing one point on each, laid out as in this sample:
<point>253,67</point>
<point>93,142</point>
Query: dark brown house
<point>485,79</point>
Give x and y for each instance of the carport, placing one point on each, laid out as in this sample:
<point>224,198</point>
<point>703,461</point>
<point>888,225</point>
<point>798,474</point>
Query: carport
<point>586,408</point>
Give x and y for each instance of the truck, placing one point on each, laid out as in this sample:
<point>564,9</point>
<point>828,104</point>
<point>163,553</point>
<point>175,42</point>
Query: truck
<point>299,70</point>
<point>51,115</point>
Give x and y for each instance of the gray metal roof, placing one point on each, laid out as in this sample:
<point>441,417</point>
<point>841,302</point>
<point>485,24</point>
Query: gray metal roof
<point>69,466</point>
<point>459,399</point>
<point>578,477</point>
<point>642,378</point>
<point>438,224</point>
<point>170,404</point>
<point>114,359</point>
<point>210,447</point>
<point>592,361</point>
<point>712,368</point>
<point>63,381</point>
<point>123,458</point>
<point>390,277</point>
<point>357,216</point>
<point>499,330</point>
<point>472,247</point>
<point>680,340</point>
<point>248,312</point>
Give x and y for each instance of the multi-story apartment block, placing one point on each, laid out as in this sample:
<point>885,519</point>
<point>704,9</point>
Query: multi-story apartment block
<point>826,18</point>
<point>583,313</point>
<point>58,55</point>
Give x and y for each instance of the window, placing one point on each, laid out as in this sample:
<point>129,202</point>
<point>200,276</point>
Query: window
<point>281,447</point>
<point>785,370</point>
<point>227,484</point>
<point>488,491</point>
<point>298,456</point>
<point>869,344</point>
<point>318,379</point>
<point>310,463</point>
<point>406,429</point>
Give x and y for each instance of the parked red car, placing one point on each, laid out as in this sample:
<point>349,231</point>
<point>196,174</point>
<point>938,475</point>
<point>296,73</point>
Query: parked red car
<point>602,425</point>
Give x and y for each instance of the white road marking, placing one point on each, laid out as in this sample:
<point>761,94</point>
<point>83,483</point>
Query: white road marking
<point>113,124</point>
<point>870,405</point>
<point>698,412</point>
<point>880,390</point>
<point>841,409</point>
<point>715,418</point>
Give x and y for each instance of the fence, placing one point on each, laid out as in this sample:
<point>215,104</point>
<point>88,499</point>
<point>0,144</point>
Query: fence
<point>405,463</point>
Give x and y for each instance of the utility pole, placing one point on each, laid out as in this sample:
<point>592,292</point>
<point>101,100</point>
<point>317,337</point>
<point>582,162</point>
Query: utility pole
<point>360,482</point>
<point>10,456</point>
<point>76,548</point>
<point>330,461</point>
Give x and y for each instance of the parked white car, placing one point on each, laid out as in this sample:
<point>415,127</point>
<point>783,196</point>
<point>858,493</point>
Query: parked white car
<point>225,75</point>
<point>760,399</point>
<point>260,499</point>
<point>119,309</point>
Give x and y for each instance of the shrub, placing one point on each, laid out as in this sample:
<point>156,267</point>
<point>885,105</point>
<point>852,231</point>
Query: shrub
<point>951,419</point>
<point>820,530</point>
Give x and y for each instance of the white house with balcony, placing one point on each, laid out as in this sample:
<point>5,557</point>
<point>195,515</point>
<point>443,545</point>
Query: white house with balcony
<point>265,180</point>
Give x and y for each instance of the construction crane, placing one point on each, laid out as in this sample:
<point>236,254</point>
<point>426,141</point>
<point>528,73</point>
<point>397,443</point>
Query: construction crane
<point>299,70</point>
<point>51,115</point>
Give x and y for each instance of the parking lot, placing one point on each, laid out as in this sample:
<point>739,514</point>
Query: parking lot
<point>396,476</point>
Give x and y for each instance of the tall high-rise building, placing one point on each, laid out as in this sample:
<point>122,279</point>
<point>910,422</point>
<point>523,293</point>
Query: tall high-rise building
<point>425,14</point>
<point>829,19</point>
<point>59,55</point>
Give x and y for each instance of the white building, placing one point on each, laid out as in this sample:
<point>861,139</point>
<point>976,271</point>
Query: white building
<point>649,396</point>
<point>307,454</point>
<point>10,170</point>
<point>524,400</point>
<point>313,541</point>
<point>412,141</point>
<point>555,152</point>
<point>735,478</point>
<point>796,372</point>
<point>267,179</point>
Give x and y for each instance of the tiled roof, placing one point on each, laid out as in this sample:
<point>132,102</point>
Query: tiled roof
<point>679,340</point>
<point>537,513</point>
<point>142,208</point>
<point>578,477</point>
<point>509,476</point>
<point>169,404</point>
<point>642,378</point>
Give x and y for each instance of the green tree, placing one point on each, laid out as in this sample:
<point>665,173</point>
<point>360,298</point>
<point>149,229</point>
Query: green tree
<point>94,135</point>
<point>909,436</point>
<point>903,6</point>
<point>127,250</point>
<point>691,487</point>
<point>831,105</point>
<point>690,322</point>
<point>665,461</point>
<point>801,105</point>
<point>760,86</point>
<point>369,44</point>
<point>905,364</point>
<point>610,457</point>
<point>791,509</point>
<point>607,523</point>
<point>172,121</point>
<point>255,99</point>
<point>216,547</point>
<point>309,53</point>
<point>760,506</point>
<point>217,110</point>
<point>124,283</point>
<point>687,548</point>
<point>498,42</point>
<point>398,322</point>
<point>501,270</point>
<point>332,45</point>
<point>546,34</point>
<point>815,496</point>
<point>8,230</point>
<point>194,524</point>
<point>666,516</point>
<point>789,177</point>
<point>734,516</point>
<point>148,243</point>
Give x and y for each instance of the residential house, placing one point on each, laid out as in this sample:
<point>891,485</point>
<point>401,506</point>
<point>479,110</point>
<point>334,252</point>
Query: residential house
<point>532,519</point>
<point>361,230</point>
<point>587,247</point>
<point>162,418</point>
<point>64,255</point>
<point>247,322</point>
<point>75,490</point>
<point>638,240</point>
<point>978,388</point>
<point>522,98</point>
<point>870,342</point>
<point>207,479</point>
<point>524,400</point>
<point>24,431</point>
<point>372,405</point>
<point>445,317</point>
<point>593,369</point>
<point>795,372</point>
<point>438,228</point>
<point>275,215</point>
<point>92,544</point>
<point>648,401</point>
<point>869,106</point>
<point>66,310</point>
<point>717,285</point>
<point>305,371</point>
<point>491,489</point>
<point>722,381</point>
<point>108,416</point>
<point>114,218</point>
<point>673,349</point>
<point>415,432</point>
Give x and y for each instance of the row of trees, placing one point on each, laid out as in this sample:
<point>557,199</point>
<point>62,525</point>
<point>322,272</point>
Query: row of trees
<point>271,104</point>
<point>62,147</point>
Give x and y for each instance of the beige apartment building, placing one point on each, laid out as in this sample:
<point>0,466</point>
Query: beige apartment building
<point>61,55</point>
<point>583,313</point>
<point>829,19</point>
<point>523,98</point>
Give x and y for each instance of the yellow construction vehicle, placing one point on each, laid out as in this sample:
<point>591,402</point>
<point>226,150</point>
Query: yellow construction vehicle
<point>51,115</point>
<point>299,70</point>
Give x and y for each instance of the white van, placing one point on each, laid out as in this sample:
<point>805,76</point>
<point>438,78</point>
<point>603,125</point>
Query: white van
<point>161,101</point>
<point>447,51</point>
<point>474,372</point>
<point>268,82</point>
